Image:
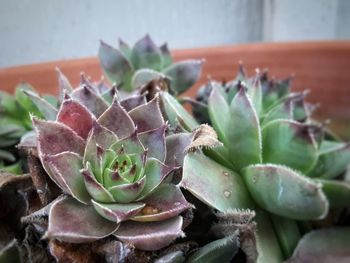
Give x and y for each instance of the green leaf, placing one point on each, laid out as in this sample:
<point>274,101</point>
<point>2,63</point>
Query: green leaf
<point>144,76</point>
<point>46,109</point>
<point>284,192</point>
<point>221,250</point>
<point>145,54</point>
<point>337,192</point>
<point>289,143</point>
<point>214,184</point>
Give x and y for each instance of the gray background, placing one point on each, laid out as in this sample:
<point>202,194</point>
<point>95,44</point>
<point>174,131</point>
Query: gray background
<point>33,31</point>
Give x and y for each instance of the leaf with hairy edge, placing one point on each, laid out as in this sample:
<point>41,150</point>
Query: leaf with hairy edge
<point>284,192</point>
<point>150,235</point>
<point>176,113</point>
<point>155,142</point>
<point>281,111</point>
<point>145,54</point>
<point>76,116</point>
<point>126,193</point>
<point>337,192</point>
<point>118,212</point>
<point>175,146</point>
<point>117,120</point>
<point>332,161</point>
<point>114,63</point>
<point>66,167</point>
<point>243,132</point>
<point>214,184</point>
<point>167,201</point>
<point>221,250</point>
<point>55,138</point>
<point>172,257</point>
<point>255,94</point>
<point>289,143</point>
<point>144,76</point>
<point>132,102</point>
<point>323,245</point>
<point>87,97</point>
<point>64,85</point>
<point>73,222</point>
<point>219,113</point>
<point>148,116</point>
<point>183,74</point>
<point>156,173</point>
<point>47,110</point>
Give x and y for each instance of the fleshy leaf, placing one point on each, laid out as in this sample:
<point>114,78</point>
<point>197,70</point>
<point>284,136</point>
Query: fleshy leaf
<point>76,116</point>
<point>221,250</point>
<point>65,168</point>
<point>132,102</point>
<point>243,132</point>
<point>102,136</point>
<point>114,63</point>
<point>281,111</point>
<point>47,110</point>
<point>148,116</point>
<point>118,212</point>
<point>64,85</point>
<point>332,161</point>
<point>10,253</point>
<point>167,201</point>
<point>150,235</point>
<point>56,138</point>
<point>125,49</point>
<point>125,193</point>
<point>172,257</point>
<point>166,56</point>
<point>117,120</point>
<point>183,74</point>
<point>284,192</point>
<point>176,113</point>
<point>175,146</point>
<point>154,141</point>
<point>323,245</point>
<point>95,189</point>
<point>130,145</point>
<point>214,184</point>
<point>145,54</point>
<point>337,192</point>
<point>90,100</point>
<point>156,172</point>
<point>289,143</point>
<point>73,222</point>
<point>144,76</point>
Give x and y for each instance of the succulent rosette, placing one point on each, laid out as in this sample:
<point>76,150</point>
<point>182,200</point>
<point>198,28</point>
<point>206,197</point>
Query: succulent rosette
<point>116,167</point>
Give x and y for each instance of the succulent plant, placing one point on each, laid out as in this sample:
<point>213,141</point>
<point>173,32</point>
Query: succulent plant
<point>116,168</point>
<point>274,159</point>
<point>134,67</point>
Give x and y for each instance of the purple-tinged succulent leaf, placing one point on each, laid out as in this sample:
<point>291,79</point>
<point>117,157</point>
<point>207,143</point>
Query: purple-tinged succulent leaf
<point>132,102</point>
<point>155,142</point>
<point>114,63</point>
<point>76,116</point>
<point>214,184</point>
<point>183,74</point>
<point>73,222</point>
<point>243,132</point>
<point>145,54</point>
<point>166,56</point>
<point>130,145</point>
<point>55,138</point>
<point>284,192</point>
<point>323,245</point>
<point>96,190</point>
<point>117,120</point>
<point>337,192</point>
<point>126,193</point>
<point>87,97</point>
<point>118,212</point>
<point>148,116</point>
<point>332,160</point>
<point>150,235</point>
<point>65,167</point>
<point>176,145</point>
<point>176,114</point>
<point>47,110</point>
<point>103,137</point>
<point>221,250</point>
<point>64,85</point>
<point>144,76</point>
<point>156,173</point>
<point>166,202</point>
<point>289,143</point>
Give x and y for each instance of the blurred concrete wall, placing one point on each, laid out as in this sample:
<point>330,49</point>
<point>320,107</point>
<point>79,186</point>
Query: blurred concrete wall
<point>42,30</point>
